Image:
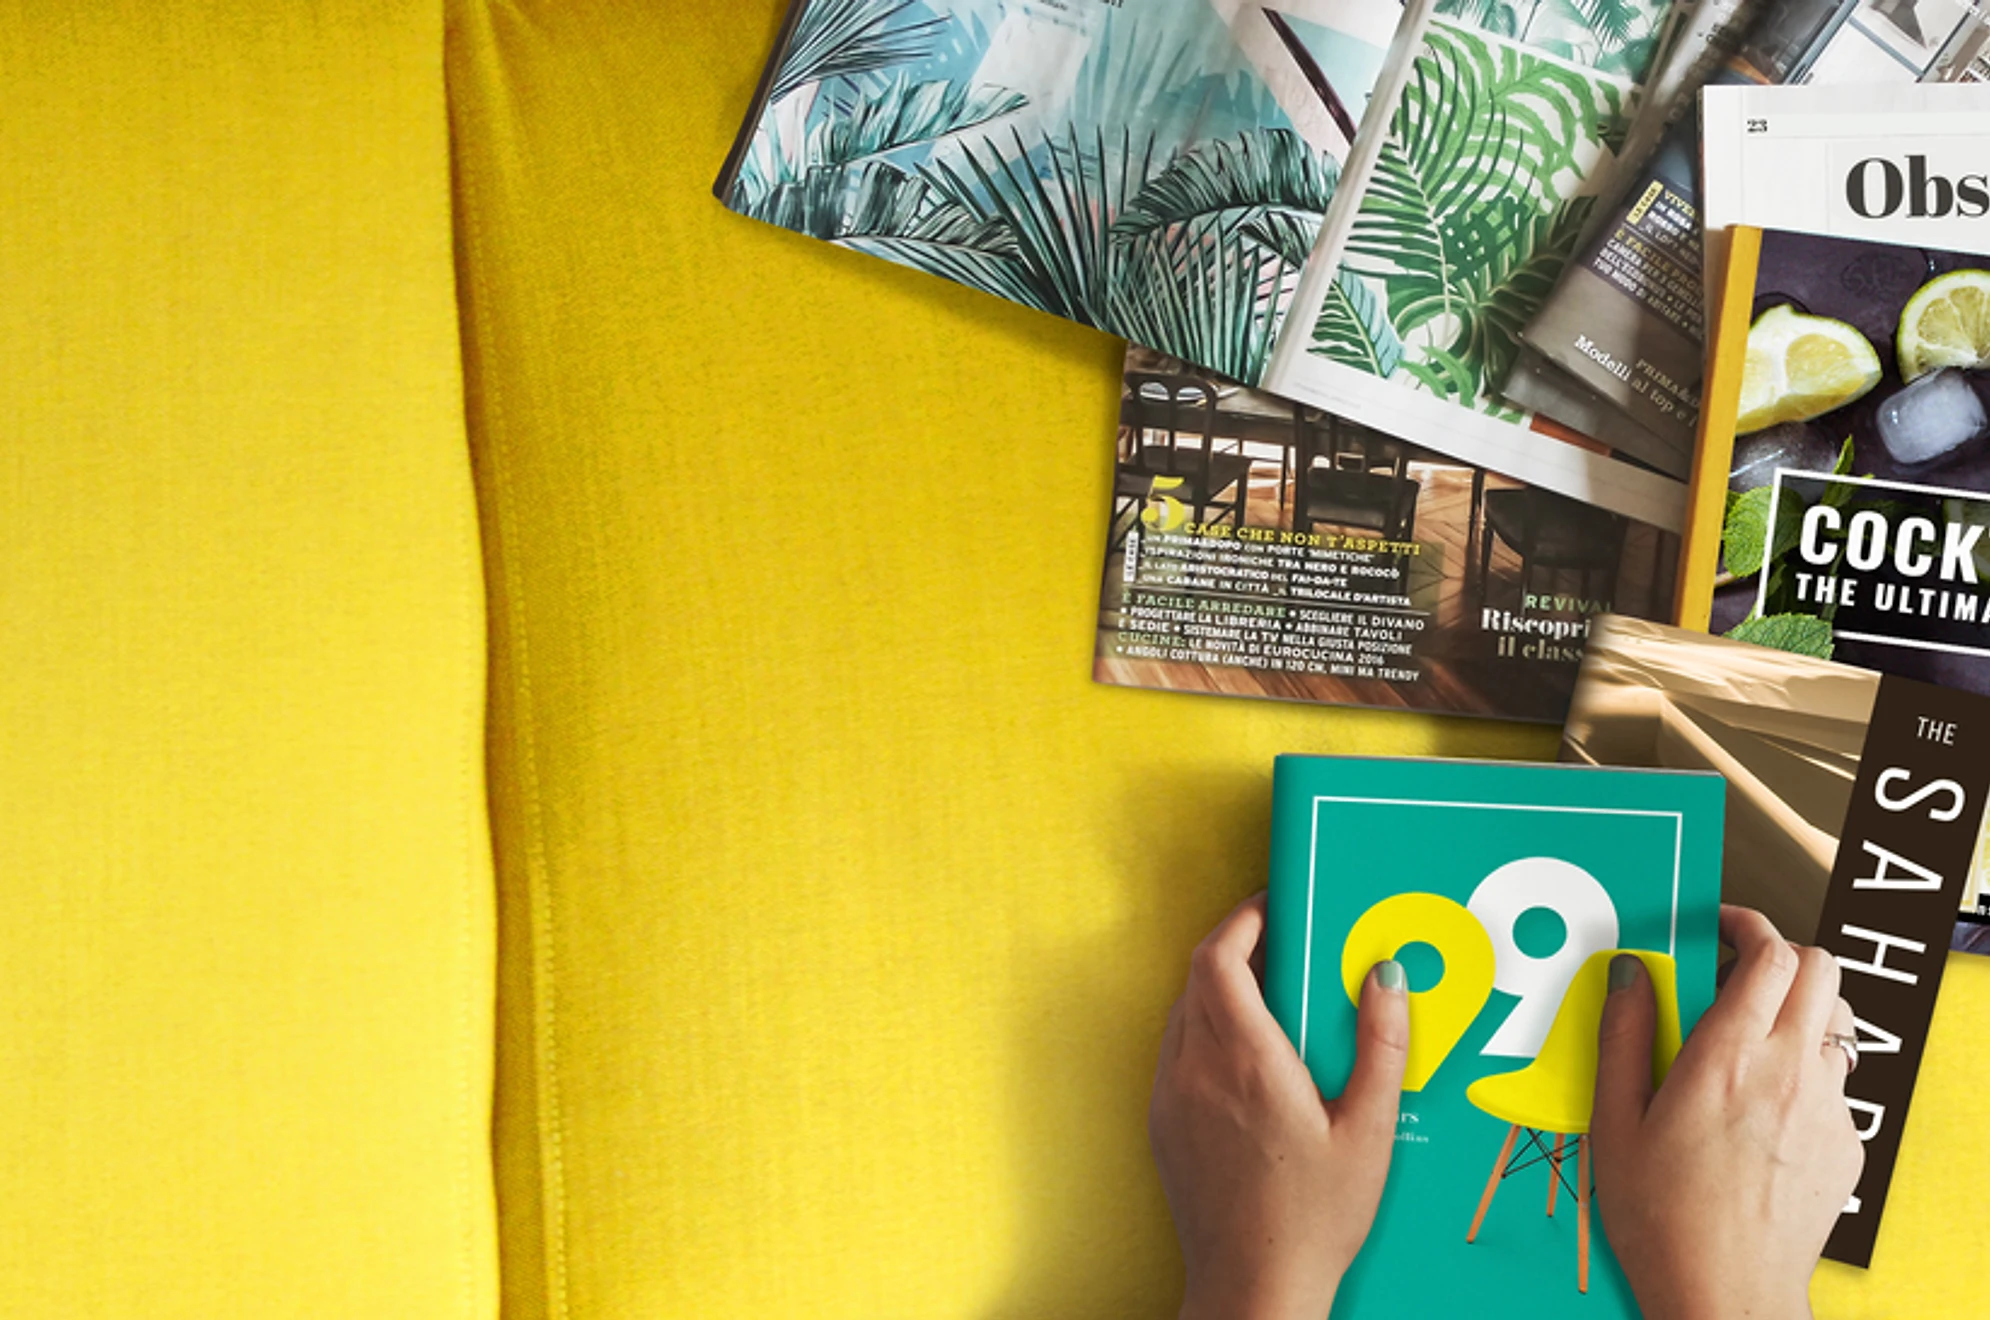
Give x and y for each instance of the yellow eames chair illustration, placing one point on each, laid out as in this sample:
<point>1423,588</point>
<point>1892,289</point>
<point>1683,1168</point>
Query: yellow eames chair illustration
<point>1552,1096</point>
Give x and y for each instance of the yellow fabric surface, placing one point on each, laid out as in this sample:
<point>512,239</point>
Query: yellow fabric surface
<point>840,911</point>
<point>1927,1262</point>
<point>245,1034</point>
<point>847,909</point>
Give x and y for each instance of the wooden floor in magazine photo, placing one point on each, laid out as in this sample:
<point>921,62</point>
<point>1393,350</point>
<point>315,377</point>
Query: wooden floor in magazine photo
<point>1447,581</point>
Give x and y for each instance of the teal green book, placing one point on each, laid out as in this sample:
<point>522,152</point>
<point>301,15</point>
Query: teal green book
<point>1504,889</point>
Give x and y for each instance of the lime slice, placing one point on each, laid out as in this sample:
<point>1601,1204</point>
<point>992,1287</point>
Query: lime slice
<point>1800,367</point>
<point>1946,324</point>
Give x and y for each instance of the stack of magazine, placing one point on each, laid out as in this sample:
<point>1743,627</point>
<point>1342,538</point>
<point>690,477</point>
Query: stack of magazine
<point>1456,326</point>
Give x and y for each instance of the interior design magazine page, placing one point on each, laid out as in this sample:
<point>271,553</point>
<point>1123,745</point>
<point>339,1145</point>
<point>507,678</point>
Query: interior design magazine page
<point>1262,548</point>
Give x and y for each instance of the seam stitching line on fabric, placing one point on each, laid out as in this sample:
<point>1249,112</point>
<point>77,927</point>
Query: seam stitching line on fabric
<point>539,896</point>
<point>480,1156</point>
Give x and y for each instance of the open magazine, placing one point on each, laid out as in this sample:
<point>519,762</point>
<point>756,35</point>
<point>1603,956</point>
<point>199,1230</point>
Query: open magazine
<point>1261,548</point>
<point>1352,203</point>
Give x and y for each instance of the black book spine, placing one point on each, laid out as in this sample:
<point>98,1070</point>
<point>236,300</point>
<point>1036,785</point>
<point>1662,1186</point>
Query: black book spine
<point>743,141</point>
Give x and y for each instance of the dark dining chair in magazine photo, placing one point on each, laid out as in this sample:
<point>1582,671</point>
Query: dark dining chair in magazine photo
<point>1170,450</point>
<point>1353,478</point>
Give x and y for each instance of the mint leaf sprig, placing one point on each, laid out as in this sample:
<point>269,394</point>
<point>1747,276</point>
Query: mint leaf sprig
<point>1747,538</point>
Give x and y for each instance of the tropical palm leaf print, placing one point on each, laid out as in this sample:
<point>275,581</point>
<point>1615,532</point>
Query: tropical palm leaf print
<point>1270,171</point>
<point>1187,254</point>
<point>1467,222</point>
<point>1614,22</point>
<point>905,113</point>
<point>845,38</point>
<point>1502,18</point>
<point>1354,327</point>
<point>1616,37</point>
<point>1194,250</point>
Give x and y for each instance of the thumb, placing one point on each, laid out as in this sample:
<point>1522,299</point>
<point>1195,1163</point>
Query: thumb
<point>1373,1097</point>
<point>1623,1050</point>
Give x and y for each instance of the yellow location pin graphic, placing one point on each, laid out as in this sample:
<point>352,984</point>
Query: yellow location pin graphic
<point>1439,1016</point>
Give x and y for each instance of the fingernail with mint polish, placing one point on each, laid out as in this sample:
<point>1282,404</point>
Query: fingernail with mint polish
<point>1623,972</point>
<point>1390,975</point>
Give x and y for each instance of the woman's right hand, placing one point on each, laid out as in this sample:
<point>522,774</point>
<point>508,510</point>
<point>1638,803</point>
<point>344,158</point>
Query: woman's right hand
<point>1720,1190</point>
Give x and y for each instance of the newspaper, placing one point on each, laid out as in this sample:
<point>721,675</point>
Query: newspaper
<point>1902,164</point>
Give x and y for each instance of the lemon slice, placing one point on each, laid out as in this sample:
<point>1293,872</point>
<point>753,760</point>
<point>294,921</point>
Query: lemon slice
<point>1946,324</point>
<point>1800,367</point>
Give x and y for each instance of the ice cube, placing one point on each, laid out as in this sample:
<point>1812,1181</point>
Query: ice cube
<point>1934,416</point>
<point>1793,445</point>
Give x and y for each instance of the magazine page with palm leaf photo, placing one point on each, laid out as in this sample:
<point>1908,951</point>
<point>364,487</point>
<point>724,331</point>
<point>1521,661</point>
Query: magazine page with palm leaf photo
<point>1156,168</point>
<point>1486,170</point>
<point>1354,203</point>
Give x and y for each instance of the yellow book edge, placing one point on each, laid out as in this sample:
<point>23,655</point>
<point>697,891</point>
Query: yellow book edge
<point>1706,500</point>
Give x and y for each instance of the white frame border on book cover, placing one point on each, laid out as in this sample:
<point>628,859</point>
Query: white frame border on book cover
<point>1678,819</point>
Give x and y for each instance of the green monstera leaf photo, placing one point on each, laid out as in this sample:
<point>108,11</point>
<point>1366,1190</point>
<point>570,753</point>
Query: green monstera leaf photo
<point>1470,215</point>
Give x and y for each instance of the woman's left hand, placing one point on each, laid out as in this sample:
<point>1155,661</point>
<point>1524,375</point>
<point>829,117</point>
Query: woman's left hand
<point>1272,1186</point>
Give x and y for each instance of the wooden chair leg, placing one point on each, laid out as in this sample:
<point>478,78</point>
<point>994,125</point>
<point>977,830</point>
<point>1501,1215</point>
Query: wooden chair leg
<point>1492,1183</point>
<point>1582,1214</point>
<point>1554,1174</point>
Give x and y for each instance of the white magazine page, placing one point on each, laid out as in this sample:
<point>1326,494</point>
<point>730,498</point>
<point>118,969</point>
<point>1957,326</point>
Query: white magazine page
<point>1365,339</point>
<point>1904,164</point>
<point>1317,279</point>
